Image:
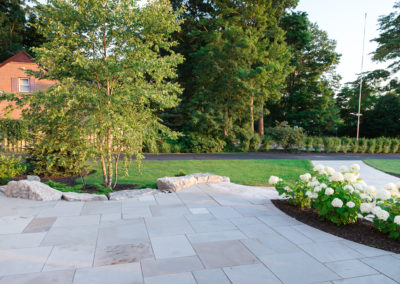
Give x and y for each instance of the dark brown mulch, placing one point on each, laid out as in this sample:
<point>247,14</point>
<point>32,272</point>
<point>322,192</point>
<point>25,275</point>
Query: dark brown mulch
<point>361,232</point>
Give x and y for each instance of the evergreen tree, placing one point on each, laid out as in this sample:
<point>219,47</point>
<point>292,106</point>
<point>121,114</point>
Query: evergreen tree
<point>308,99</point>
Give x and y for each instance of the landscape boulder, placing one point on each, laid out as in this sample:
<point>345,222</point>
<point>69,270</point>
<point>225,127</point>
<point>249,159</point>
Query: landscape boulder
<point>74,196</point>
<point>34,190</point>
<point>132,193</point>
<point>174,184</point>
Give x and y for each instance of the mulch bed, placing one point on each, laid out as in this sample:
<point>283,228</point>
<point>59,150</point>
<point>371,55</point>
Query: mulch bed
<point>361,232</point>
<point>70,181</point>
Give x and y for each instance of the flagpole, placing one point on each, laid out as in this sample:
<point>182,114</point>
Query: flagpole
<point>361,81</point>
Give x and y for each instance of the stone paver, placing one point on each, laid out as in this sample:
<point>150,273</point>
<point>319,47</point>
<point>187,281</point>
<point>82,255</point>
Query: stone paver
<point>207,234</point>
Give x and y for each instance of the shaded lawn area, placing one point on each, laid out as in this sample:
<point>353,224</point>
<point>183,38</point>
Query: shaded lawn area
<point>387,166</point>
<point>246,172</point>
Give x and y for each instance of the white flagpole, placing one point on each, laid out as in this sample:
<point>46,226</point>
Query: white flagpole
<point>361,81</point>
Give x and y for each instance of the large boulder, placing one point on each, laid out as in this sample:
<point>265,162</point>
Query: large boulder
<point>174,184</point>
<point>33,190</point>
<point>132,193</point>
<point>74,196</point>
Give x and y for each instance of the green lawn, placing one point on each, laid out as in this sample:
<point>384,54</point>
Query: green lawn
<point>247,172</point>
<point>388,166</point>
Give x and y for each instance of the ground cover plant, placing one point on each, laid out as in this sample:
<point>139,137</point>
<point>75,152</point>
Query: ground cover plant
<point>342,197</point>
<point>247,172</point>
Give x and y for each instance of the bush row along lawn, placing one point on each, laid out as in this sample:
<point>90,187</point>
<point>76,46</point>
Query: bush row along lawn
<point>387,166</point>
<point>246,172</point>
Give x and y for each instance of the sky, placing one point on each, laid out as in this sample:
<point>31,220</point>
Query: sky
<point>343,20</point>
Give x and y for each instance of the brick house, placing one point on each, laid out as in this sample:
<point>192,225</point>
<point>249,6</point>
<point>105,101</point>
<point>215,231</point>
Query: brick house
<point>13,79</point>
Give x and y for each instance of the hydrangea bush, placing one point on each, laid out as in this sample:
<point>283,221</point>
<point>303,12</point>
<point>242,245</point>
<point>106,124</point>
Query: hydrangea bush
<point>342,197</point>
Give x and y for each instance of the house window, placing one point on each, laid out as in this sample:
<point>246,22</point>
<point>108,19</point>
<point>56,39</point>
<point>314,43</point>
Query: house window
<point>24,85</point>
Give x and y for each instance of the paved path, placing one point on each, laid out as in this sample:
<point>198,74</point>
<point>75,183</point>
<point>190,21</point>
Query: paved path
<point>369,174</point>
<point>218,233</point>
<point>273,155</point>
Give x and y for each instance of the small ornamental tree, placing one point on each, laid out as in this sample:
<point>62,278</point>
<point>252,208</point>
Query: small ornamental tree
<point>115,68</point>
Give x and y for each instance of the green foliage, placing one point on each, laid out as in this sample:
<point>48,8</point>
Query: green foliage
<point>286,136</point>
<point>10,167</point>
<point>346,144</point>
<point>388,44</point>
<point>389,226</point>
<point>116,69</point>
<point>255,142</point>
<point>296,194</point>
<point>334,199</point>
<point>387,145</point>
<point>308,143</point>
<point>395,145</point>
<point>317,144</point>
<point>64,188</point>
<point>363,145</point>
<point>267,141</point>
<point>332,144</point>
<point>379,145</point>
<point>181,173</point>
<point>165,147</point>
<point>355,146</point>
<point>13,129</point>
<point>371,146</point>
<point>205,144</point>
<point>77,188</point>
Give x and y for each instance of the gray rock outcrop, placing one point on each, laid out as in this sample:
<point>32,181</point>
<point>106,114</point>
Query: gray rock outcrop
<point>74,196</point>
<point>174,184</point>
<point>33,190</point>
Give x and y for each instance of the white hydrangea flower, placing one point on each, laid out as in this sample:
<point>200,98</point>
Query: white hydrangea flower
<point>390,186</point>
<point>317,188</point>
<point>323,185</point>
<point>305,177</point>
<point>366,207</point>
<point>337,177</point>
<point>343,169</point>
<point>365,197</point>
<point>318,167</point>
<point>397,220</point>
<point>350,204</point>
<point>358,186</point>
<point>350,177</point>
<point>370,190</point>
<point>329,191</point>
<point>288,189</point>
<point>382,194</point>
<point>398,185</point>
<point>355,167</point>
<point>349,188</point>
<point>337,203</point>
<point>313,183</point>
<point>329,170</point>
<point>382,214</point>
<point>273,180</point>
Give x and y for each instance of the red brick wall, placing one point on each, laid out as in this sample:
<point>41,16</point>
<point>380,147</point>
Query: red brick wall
<point>15,69</point>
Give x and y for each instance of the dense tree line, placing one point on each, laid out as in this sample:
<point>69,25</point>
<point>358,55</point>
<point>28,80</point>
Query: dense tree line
<point>248,66</point>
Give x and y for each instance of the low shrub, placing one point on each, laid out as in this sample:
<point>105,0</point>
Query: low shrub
<point>255,142</point>
<point>346,144</point>
<point>10,167</point>
<point>371,146</point>
<point>267,142</point>
<point>308,143</point>
<point>317,144</point>
<point>387,145</point>
<point>329,144</point>
<point>64,188</point>
<point>379,145</point>
<point>286,136</point>
<point>181,173</point>
<point>199,143</point>
<point>362,145</point>
<point>354,145</point>
<point>331,193</point>
<point>395,145</point>
<point>165,147</point>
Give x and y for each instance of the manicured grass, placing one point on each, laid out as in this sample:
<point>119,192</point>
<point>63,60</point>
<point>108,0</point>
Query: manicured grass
<point>387,166</point>
<point>247,172</point>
